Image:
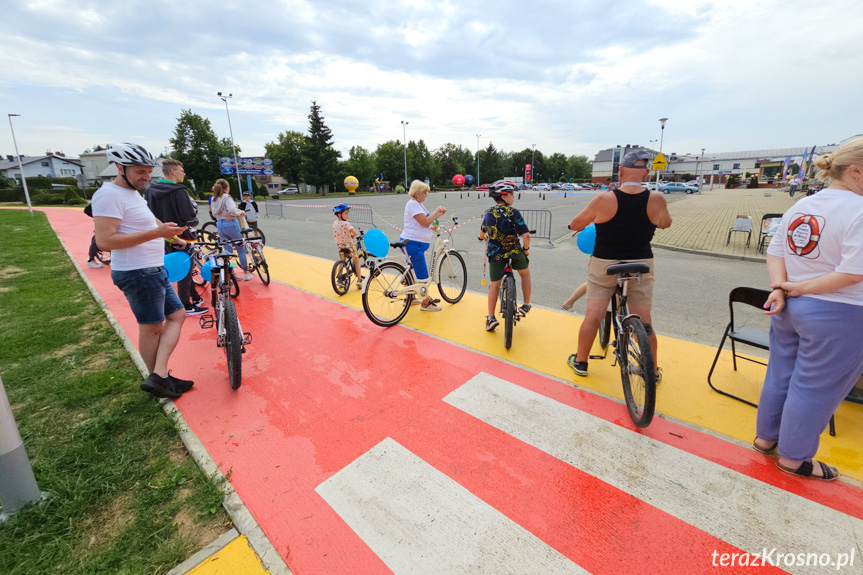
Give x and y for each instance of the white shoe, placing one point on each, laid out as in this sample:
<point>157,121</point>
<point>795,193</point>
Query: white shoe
<point>94,264</point>
<point>430,307</point>
<point>247,276</point>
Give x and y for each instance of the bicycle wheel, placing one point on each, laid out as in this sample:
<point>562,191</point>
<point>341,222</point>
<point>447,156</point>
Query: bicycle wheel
<point>637,372</point>
<point>380,303</point>
<point>209,232</point>
<point>256,234</point>
<point>508,301</point>
<point>341,277</point>
<point>451,277</point>
<point>233,345</point>
<point>605,331</point>
<point>261,265</point>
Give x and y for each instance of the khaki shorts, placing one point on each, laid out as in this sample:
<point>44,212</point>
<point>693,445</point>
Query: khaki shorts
<point>602,286</point>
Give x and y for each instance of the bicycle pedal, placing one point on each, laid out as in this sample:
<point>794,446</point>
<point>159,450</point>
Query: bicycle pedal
<point>247,338</point>
<point>206,321</point>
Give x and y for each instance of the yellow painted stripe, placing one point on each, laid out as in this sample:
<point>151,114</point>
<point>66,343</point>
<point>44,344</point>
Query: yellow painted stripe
<point>545,338</point>
<point>235,558</point>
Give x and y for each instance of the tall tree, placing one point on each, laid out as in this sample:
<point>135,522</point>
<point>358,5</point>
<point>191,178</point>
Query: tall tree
<point>390,162</point>
<point>491,165</point>
<point>421,162</point>
<point>452,160</point>
<point>556,165</point>
<point>195,144</point>
<point>579,167</point>
<point>320,159</point>
<point>287,155</point>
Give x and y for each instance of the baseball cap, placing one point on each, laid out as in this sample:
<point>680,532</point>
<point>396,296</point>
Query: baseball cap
<point>247,193</point>
<point>631,158</point>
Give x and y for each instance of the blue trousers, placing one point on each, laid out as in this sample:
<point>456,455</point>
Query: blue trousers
<point>417,253</point>
<point>230,230</point>
<point>816,357</point>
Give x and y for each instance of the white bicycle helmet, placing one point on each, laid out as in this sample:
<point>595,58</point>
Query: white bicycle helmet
<point>127,154</point>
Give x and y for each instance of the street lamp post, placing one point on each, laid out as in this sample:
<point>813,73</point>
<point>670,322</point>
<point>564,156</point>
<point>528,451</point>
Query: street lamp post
<point>405,146</point>
<point>477,159</point>
<point>20,164</point>
<point>532,165</point>
<point>661,138</point>
<point>233,147</point>
<point>701,171</point>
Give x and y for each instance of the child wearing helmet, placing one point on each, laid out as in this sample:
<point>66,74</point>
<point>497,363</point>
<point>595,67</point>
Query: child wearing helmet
<point>502,226</point>
<point>344,234</point>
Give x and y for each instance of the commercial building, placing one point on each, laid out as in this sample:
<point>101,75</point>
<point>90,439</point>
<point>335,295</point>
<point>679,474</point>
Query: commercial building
<point>714,168</point>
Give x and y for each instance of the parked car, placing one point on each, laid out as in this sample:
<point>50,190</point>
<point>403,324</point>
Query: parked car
<point>677,187</point>
<point>542,188</point>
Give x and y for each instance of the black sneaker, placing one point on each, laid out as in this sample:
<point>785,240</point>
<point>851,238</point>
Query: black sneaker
<point>198,302</point>
<point>180,385</point>
<point>491,323</point>
<point>579,367</point>
<point>159,387</point>
<point>525,307</point>
<point>195,310</point>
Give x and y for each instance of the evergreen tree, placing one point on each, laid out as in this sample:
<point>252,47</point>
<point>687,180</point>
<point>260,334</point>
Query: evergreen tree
<point>320,159</point>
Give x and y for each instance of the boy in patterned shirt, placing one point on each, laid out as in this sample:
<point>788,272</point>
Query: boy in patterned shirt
<point>344,234</point>
<point>501,226</point>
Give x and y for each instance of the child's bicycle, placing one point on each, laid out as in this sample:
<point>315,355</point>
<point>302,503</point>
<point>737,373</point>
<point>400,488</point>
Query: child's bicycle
<point>343,272</point>
<point>632,350</point>
<point>390,287</point>
<point>255,260</point>
<point>230,333</point>
<point>509,302</point>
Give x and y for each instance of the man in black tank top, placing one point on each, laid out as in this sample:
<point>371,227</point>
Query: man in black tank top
<point>625,220</point>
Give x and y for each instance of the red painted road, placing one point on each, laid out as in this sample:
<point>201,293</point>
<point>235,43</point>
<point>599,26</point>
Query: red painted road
<point>322,386</point>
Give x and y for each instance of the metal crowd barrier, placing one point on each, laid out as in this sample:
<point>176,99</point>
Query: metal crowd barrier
<point>362,214</point>
<point>539,220</point>
<point>273,208</point>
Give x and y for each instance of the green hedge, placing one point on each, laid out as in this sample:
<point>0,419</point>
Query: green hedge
<point>12,195</point>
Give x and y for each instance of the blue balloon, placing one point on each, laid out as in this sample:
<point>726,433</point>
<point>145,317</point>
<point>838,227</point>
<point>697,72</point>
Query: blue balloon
<point>377,243</point>
<point>468,179</point>
<point>177,264</point>
<point>206,272</point>
<point>586,239</point>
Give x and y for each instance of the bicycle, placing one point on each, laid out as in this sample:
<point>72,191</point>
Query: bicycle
<point>230,335</point>
<point>255,259</point>
<point>342,274</point>
<point>390,287</point>
<point>199,256</point>
<point>508,302</point>
<point>631,345</point>
<point>254,233</point>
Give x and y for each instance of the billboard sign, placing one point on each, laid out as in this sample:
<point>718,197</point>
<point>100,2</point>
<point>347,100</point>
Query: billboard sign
<point>248,166</point>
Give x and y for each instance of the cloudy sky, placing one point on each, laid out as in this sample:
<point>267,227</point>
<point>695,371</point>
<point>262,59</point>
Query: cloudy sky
<point>570,76</point>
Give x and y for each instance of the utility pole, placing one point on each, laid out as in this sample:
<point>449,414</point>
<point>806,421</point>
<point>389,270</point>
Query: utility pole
<point>20,164</point>
<point>661,138</point>
<point>405,146</point>
<point>234,147</point>
<point>477,159</point>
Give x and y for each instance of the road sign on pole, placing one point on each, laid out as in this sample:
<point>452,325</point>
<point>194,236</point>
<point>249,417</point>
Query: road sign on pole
<point>659,162</point>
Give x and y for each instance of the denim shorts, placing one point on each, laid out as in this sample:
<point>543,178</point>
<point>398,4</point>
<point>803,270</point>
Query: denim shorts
<point>149,293</point>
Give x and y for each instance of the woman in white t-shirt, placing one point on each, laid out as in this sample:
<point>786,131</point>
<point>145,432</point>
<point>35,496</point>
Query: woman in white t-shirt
<point>815,262</point>
<point>418,233</point>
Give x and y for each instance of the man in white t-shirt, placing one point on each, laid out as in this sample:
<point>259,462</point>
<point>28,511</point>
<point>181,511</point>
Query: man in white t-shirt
<point>126,226</point>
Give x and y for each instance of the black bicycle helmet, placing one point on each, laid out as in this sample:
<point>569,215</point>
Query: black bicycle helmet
<point>339,208</point>
<point>127,154</point>
<point>495,192</point>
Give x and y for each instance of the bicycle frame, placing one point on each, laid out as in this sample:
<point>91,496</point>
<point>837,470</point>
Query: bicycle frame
<point>619,312</point>
<point>419,288</point>
<point>220,264</point>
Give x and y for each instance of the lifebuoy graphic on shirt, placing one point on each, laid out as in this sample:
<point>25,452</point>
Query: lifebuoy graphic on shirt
<point>804,233</point>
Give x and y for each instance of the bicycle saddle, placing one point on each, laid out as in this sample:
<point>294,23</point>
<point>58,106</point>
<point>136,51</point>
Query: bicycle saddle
<point>398,245</point>
<point>247,230</point>
<point>627,268</point>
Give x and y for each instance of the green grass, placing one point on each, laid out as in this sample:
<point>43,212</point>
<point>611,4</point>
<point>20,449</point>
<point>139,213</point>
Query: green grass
<point>123,496</point>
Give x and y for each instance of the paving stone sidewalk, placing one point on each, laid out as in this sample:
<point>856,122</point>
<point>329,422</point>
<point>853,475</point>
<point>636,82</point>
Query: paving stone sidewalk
<point>701,222</point>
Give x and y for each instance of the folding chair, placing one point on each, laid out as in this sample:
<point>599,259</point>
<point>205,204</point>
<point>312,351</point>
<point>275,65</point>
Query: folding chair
<point>741,224</point>
<point>769,225</point>
<point>755,337</point>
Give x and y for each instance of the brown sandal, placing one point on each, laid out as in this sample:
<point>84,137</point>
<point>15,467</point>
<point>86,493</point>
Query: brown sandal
<point>805,470</point>
<point>763,450</point>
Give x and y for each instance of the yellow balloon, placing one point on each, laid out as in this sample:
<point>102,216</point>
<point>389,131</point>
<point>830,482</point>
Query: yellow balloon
<point>351,184</point>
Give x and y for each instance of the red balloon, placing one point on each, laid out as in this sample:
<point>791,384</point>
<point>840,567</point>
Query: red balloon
<point>458,180</point>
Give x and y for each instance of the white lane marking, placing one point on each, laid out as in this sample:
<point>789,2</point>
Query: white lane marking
<point>738,509</point>
<point>418,520</point>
